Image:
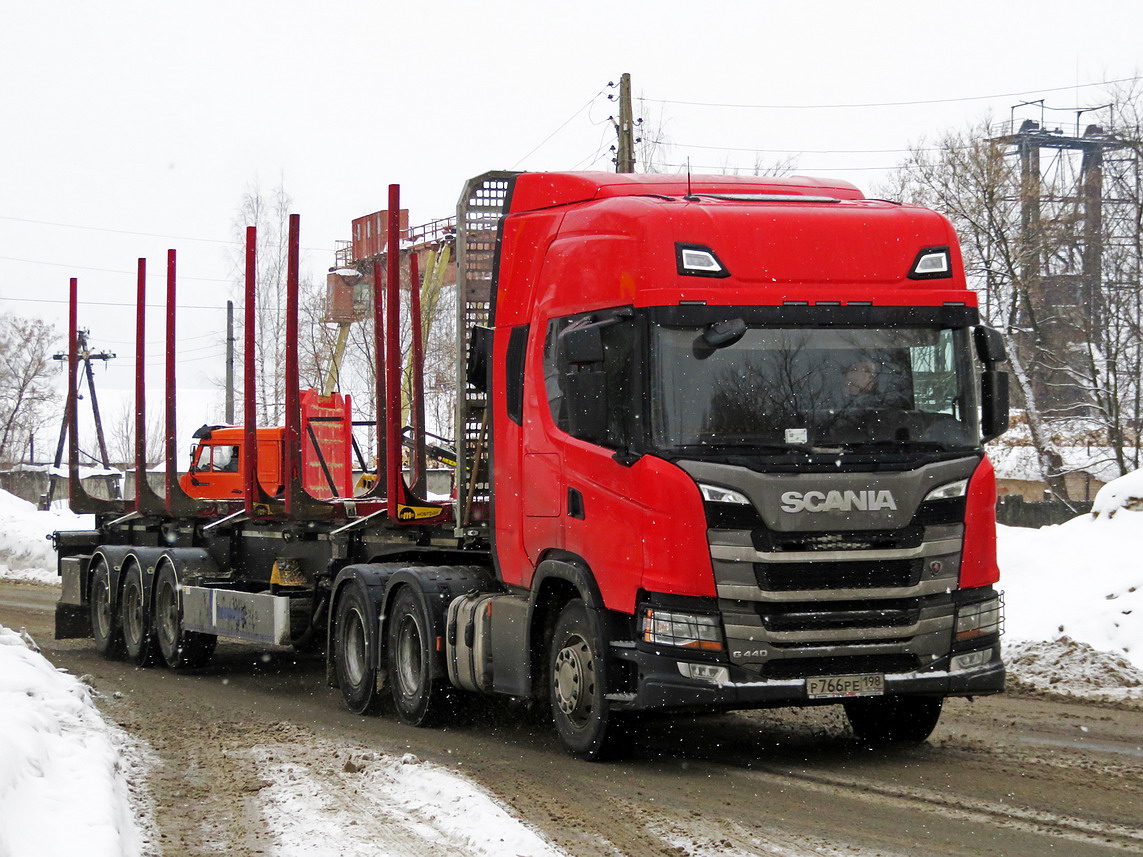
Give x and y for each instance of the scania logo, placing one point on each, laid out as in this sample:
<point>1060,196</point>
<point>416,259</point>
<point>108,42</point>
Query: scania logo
<point>837,501</point>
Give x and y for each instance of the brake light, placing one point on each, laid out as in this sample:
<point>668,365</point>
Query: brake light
<point>978,560</point>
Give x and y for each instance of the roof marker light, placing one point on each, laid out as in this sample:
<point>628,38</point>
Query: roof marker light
<point>695,260</point>
<point>931,263</point>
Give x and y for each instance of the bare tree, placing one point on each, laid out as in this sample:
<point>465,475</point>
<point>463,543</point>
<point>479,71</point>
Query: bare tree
<point>27,398</point>
<point>121,436</point>
<point>1073,334</point>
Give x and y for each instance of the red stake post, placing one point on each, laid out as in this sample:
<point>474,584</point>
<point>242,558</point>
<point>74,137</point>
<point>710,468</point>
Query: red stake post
<point>249,388</point>
<point>393,351</point>
<point>73,389</point>
<point>170,423</point>
<point>293,434</point>
<point>140,383</point>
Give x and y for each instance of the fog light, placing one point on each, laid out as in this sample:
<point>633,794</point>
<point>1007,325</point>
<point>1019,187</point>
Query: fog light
<point>705,672</point>
<point>687,630</point>
<point>979,619</point>
<point>971,659</point>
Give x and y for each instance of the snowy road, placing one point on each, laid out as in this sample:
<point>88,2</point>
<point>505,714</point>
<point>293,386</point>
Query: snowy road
<point>1012,776</point>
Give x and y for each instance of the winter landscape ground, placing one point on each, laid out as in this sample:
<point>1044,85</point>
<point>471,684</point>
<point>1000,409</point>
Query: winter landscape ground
<point>1074,628</point>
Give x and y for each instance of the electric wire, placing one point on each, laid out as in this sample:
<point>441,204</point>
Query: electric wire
<point>919,102</point>
<point>562,126</point>
<point>143,234</point>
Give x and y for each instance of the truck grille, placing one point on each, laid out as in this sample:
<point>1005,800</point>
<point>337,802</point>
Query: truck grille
<point>795,576</point>
<point>769,541</point>
<point>840,617</point>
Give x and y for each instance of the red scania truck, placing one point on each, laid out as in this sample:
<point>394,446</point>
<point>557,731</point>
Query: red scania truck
<point>719,446</point>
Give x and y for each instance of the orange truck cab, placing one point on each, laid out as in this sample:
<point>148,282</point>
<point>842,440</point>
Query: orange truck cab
<point>218,457</point>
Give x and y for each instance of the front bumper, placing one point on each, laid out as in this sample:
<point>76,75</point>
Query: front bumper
<point>661,687</point>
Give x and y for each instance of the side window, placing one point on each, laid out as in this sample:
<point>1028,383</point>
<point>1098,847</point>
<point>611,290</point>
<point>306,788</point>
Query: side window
<point>618,339</point>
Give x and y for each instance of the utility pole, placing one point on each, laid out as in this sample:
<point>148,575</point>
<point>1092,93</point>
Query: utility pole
<point>230,363</point>
<point>84,355</point>
<point>625,153</point>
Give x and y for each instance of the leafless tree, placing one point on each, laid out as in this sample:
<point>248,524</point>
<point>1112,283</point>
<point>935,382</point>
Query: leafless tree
<point>121,436</point>
<point>1025,269</point>
<point>27,397</point>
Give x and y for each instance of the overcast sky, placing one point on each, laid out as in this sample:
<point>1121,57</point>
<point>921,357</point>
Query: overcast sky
<point>129,128</point>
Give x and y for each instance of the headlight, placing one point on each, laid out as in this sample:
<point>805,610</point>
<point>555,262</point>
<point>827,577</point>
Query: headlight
<point>949,491</point>
<point>685,630</point>
<point>714,494</point>
<point>979,620</point>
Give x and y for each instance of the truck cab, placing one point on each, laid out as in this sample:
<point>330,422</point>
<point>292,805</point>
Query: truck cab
<point>217,460</point>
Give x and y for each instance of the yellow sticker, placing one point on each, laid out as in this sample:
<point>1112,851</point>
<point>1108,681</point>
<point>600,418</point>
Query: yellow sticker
<point>417,513</point>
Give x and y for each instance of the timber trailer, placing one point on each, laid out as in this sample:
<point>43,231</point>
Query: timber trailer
<point>719,446</point>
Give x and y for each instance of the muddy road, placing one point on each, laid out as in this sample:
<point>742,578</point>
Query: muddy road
<point>1014,775</point>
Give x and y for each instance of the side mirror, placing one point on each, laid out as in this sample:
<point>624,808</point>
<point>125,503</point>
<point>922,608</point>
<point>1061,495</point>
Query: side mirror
<point>993,404</point>
<point>989,346</point>
<point>580,358</point>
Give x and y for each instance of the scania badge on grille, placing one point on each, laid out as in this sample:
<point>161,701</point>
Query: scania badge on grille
<point>838,501</point>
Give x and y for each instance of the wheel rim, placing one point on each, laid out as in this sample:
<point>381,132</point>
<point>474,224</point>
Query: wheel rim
<point>354,648</point>
<point>100,598</point>
<point>409,661</point>
<point>133,611</point>
<point>574,680</point>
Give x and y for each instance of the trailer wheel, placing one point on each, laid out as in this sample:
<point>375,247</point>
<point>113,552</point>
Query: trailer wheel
<point>105,627</point>
<point>180,648</point>
<point>135,618</point>
<point>577,677</point>
<point>409,652</point>
<point>355,652</point>
<point>893,719</point>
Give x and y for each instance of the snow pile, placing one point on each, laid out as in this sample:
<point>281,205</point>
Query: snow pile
<point>1126,492</point>
<point>416,807</point>
<point>62,788</point>
<point>1071,668</point>
<point>1075,588</point>
<point>25,552</point>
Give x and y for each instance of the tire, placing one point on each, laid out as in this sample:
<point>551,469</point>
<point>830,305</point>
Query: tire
<point>181,649</point>
<point>105,626</point>
<point>577,682</point>
<point>893,719</point>
<point>409,653</point>
<point>355,652</point>
<point>135,618</point>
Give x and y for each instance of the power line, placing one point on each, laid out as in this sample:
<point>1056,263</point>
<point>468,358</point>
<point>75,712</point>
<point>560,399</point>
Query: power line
<point>565,123</point>
<point>108,303</point>
<point>104,271</point>
<point>892,103</point>
<point>143,234</point>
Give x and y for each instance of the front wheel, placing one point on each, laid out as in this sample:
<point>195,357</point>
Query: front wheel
<point>577,679</point>
<point>417,695</point>
<point>181,649</point>
<point>105,625</point>
<point>893,719</point>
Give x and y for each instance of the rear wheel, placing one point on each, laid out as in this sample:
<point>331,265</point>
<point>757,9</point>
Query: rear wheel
<point>893,719</point>
<point>577,679</point>
<point>417,696</point>
<point>181,649</point>
<point>135,618</point>
<point>105,626</point>
<point>355,652</point>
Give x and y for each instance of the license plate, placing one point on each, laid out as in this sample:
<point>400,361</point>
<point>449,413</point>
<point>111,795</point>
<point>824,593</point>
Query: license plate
<point>826,686</point>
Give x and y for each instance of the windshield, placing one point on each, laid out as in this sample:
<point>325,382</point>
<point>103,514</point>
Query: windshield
<point>812,387</point>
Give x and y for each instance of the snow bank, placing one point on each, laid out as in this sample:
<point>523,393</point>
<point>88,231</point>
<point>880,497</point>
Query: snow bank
<point>62,788</point>
<point>1078,583</point>
<point>25,552</point>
